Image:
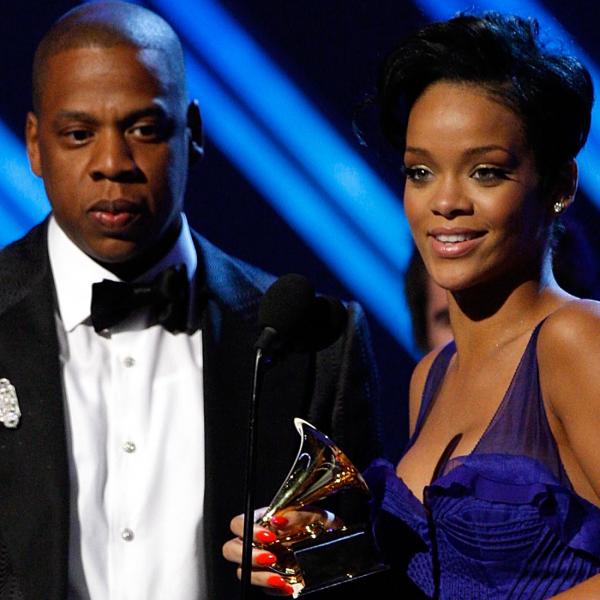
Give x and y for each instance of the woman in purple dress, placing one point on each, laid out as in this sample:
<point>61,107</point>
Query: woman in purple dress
<point>498,493</point>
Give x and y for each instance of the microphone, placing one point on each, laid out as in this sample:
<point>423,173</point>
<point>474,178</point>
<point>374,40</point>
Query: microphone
<point>326,321</point>
<point>291,318</point>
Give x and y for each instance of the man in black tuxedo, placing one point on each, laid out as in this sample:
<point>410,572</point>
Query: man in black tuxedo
<point>127,460</point>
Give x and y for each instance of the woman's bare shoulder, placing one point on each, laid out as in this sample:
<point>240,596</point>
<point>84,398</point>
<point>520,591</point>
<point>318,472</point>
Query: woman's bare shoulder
<point>574,326</point>
<point>568,352</point>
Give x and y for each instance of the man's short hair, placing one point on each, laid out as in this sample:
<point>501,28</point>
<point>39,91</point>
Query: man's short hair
<point>106,25</point>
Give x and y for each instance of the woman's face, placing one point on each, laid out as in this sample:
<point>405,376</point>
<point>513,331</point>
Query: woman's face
<point>471,193</point>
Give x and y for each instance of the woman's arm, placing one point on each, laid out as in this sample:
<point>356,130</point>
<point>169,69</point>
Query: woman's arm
<point>588,590</point>
<point>569,361</point>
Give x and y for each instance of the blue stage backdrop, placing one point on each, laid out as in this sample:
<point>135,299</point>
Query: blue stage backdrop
<point>285,183</point>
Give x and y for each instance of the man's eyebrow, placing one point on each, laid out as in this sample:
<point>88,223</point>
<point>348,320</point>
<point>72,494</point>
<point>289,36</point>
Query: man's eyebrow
<point>150,111</point>
<point>85,117</point>
<point>74,115</point>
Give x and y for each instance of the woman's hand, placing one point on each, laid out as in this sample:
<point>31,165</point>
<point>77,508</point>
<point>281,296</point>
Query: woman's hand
<point>270,541</point>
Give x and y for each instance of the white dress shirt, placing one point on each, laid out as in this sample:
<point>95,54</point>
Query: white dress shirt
<point>135,427</point>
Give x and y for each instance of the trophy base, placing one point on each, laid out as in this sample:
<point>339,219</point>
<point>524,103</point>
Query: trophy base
<point>337,557</point>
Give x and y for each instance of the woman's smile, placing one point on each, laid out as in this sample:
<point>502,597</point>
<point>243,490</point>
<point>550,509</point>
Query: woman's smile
<point>453,243</point>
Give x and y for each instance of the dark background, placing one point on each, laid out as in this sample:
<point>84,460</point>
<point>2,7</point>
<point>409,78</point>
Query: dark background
<point>331,49</point>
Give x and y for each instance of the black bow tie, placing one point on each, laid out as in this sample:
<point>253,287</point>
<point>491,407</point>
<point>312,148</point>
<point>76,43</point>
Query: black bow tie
<point>166,296</point>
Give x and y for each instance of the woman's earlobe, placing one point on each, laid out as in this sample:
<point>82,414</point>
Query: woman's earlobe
<point>566,187</point>
<point>561,205</point>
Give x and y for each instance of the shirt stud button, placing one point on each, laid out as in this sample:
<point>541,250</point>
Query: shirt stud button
<point>129,361</point>
<point>129,447</point>
<point>127,535</point>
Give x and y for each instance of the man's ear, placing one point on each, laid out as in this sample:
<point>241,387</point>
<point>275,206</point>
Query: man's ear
<point>32,141</point>
<point>194,123</point>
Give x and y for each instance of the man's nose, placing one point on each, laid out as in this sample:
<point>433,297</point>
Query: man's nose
<point>112,158</point>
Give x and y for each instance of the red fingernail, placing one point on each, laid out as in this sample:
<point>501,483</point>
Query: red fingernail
<point>266,559</point>
<point>266,537</point>
<point>277,582</point>
<point>279,521</point>
<point>288,589</point>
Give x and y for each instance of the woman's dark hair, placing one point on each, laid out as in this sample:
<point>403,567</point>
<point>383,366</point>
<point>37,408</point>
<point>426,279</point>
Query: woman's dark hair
<point>551,93</point>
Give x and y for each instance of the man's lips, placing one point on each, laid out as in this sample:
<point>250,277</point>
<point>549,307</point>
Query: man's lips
<point>115,214</point>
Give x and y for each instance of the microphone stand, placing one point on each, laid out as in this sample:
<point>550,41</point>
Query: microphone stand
<point>261,363</point>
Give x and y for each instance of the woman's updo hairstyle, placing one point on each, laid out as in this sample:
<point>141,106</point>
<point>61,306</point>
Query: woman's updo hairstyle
<point>552,93</point>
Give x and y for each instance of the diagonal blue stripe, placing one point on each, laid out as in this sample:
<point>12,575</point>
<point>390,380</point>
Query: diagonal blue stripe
<point>291,118</point>
<point>298,201</point>
<point>22,198</point>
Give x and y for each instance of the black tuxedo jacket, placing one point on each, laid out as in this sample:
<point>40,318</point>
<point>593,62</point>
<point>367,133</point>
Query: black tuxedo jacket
<point>332,388</point>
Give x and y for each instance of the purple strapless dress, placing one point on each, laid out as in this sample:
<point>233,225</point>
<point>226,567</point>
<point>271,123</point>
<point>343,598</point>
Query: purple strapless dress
<point>501,523</point>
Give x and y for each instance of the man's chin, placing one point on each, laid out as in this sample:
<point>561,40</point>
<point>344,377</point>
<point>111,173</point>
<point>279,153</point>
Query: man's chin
<point>116,252</point>
<point>131,255</point>
<point>129,259</point>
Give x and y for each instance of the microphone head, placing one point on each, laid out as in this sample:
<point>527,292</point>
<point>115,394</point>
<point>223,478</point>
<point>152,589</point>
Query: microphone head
<point>290,315</point>
<point>323,324</point>
<point>286,303</point>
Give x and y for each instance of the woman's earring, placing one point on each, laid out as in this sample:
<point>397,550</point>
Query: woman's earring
<point>558,207</point>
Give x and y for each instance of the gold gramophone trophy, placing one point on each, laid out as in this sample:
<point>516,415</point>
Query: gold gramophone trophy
<point>314,557</point>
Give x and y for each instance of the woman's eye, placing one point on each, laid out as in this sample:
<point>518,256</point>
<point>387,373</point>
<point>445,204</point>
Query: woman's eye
<point>489,174</point>
<point>417,174</point>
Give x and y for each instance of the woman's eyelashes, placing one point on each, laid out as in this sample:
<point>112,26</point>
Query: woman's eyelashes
<point>418,173</point>
<point>490,174</point>
<point>485,174</point>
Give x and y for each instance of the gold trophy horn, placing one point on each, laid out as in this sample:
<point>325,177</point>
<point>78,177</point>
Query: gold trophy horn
<point>320,470</point>
<point>305,554</point>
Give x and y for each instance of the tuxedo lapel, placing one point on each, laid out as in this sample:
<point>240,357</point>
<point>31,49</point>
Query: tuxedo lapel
<point>227,335</point>
<point>33,460</point>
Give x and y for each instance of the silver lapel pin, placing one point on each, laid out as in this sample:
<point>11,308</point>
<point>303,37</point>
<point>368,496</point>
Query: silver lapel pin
<point>10,412</point>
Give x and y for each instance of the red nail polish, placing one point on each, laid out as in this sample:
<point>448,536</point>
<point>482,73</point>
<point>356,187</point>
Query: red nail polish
<point>266,537</point>
<point>288,589</point>
<point>277,582</point>
<point>279,521</point>
<point>266,559</point>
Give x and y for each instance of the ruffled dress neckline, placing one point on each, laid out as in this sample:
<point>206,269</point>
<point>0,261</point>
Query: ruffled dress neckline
<point>504,521</point>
